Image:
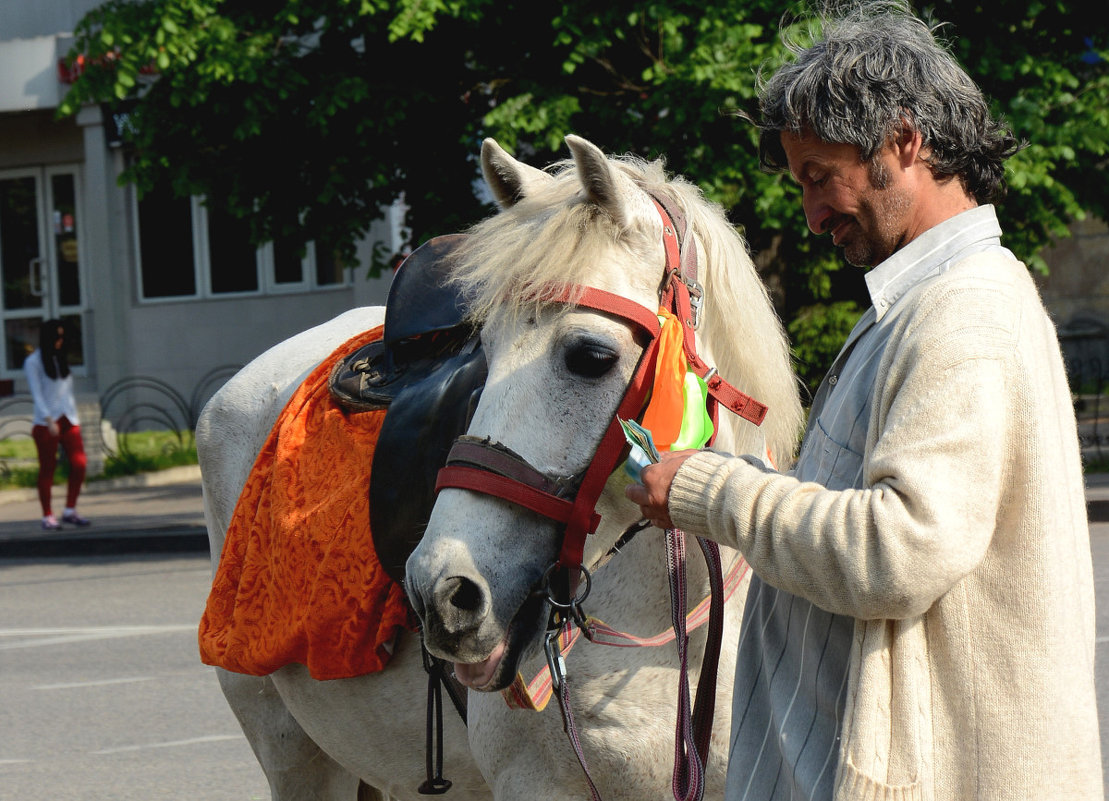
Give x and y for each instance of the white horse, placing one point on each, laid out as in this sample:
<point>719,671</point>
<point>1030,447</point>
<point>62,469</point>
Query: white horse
<point>556,376</point>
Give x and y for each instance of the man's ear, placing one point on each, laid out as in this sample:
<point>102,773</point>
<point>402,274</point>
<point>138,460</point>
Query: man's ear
<point>908,142</point>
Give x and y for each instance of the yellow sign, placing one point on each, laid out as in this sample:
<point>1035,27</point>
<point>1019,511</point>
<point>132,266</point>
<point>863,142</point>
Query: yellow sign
<point>67,248</point>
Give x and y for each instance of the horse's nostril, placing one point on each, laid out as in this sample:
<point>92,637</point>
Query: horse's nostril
<point>457,606</point>
<point>464,594</point>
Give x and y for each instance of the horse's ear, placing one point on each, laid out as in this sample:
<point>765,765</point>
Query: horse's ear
<point>598,178</point>
<point>509,180</point>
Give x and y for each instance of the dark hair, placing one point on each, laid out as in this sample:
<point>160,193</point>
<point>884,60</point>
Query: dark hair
<point>872,69</point>
<point>54,360</point>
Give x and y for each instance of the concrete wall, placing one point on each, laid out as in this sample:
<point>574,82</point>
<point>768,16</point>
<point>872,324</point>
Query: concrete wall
<point>33,35</point>
<point>25,19</point>
<point>1076,293</point>
<point>1077,287</point>
<point>181,342</point>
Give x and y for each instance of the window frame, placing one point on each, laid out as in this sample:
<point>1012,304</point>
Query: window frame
<point>265,264</point>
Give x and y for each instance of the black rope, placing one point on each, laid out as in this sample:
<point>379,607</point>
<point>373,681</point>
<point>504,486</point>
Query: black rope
<point>435,784</point>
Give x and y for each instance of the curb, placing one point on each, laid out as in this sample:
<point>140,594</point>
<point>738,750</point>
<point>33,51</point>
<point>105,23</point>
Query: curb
<point>118,537</point>
<point>176,539</point>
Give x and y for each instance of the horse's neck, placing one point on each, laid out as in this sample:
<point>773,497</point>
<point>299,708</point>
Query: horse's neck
<point>744,439</point>
<point>633,583</point>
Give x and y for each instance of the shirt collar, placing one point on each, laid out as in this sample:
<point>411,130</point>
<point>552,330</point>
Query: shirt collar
<point>930,254</point>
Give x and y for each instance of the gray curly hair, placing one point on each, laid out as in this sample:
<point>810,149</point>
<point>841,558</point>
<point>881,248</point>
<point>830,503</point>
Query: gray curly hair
<point>871,69</point>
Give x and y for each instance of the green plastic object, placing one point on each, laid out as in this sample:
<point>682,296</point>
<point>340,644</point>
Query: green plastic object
<point>696,429</point>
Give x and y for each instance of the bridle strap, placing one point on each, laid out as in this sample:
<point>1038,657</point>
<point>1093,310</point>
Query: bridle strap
<point>679,287</point>
<point>492,469</point>
<point>609,303</point>
<point>609,454</point>
<point>500,459</point>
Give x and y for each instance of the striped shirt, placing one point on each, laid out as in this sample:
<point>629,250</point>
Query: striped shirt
<point>791,671</point>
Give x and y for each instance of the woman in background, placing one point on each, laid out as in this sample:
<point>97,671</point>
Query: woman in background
<point>55,422</point>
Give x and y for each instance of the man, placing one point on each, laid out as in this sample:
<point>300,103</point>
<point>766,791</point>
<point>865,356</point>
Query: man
<point>921,621</point>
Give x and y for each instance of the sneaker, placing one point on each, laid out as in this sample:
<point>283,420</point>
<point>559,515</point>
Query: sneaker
<point>50,523</point>
<point>75,519</point>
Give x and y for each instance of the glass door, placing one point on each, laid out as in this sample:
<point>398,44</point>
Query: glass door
<point>40,263</point>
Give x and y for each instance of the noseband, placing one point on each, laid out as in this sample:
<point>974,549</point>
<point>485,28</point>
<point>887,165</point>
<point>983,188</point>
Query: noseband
<point>492,469</point>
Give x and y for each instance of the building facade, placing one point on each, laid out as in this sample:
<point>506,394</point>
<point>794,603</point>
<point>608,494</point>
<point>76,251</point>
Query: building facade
<point>159,288</point>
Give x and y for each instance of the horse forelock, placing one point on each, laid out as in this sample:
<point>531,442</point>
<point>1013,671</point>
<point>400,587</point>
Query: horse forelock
<point>554,236</point>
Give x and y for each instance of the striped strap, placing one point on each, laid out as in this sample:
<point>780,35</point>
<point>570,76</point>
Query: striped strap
<point>535,695</point>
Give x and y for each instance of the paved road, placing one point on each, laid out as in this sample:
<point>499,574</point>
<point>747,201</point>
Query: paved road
<point>102,696</point>
<point>1099,545</point>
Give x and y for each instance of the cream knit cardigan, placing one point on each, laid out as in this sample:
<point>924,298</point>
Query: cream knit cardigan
<point>965,559</point>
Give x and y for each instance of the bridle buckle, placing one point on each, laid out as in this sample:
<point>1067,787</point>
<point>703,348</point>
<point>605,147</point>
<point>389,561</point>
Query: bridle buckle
<point>696,300</point>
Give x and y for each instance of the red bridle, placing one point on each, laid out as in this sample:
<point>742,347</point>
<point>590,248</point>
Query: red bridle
<point>491,469</point>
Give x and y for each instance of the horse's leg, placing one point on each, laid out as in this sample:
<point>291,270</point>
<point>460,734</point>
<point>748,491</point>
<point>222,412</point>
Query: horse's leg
<point>296,768</point>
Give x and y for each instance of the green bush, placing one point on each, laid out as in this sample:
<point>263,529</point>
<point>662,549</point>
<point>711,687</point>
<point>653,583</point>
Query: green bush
<point>147,451</point>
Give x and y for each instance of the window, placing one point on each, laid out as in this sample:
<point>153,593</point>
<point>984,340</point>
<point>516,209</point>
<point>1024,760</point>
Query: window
<point>329,269</point>
<point>166,246</point>
<point>187,250</point>
<point>232,259</point>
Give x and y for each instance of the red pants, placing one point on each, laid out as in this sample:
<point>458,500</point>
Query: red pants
<point>69,436</point>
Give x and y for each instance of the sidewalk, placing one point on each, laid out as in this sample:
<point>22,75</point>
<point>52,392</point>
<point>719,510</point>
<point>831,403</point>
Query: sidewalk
<point>162,512</point>
<point>148,513</point>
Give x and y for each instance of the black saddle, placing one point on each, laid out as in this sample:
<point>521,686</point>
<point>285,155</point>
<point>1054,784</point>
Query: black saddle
<point>425,324</point>
<point>428,371</point>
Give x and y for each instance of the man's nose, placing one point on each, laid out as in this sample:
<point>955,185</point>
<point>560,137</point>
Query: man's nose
<point>817,214</point>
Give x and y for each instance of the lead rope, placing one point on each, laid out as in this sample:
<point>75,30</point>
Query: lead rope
<point>704,707</point>
<point>561,612</point>
<point>689,773</point>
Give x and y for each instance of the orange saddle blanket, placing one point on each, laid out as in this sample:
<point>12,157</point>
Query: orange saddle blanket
<point>298,580</point>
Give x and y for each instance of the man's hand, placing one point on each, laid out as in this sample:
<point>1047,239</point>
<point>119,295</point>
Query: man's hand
<point>653,494</point>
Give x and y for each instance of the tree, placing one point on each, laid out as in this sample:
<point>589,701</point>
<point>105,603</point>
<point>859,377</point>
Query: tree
<point>308,118</point>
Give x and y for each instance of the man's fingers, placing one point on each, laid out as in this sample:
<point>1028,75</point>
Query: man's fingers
<point>636,493</point>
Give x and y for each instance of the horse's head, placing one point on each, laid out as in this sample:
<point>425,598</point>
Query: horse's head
<point>558,373</point>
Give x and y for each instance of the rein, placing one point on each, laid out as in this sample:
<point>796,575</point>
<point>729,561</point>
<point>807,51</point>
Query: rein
<point>483,466</point>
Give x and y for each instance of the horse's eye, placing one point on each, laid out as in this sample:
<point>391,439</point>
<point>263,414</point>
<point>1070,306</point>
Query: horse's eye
<point>590,360</point>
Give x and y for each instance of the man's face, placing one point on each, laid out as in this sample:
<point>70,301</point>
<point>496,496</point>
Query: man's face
<point>863,206</point>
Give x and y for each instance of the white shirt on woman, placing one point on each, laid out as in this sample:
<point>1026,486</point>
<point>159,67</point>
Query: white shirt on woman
<point>53,397</point>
